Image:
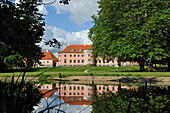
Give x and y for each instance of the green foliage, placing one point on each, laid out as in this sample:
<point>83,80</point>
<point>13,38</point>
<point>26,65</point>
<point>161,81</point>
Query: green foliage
<point>134,30</point>
<point>21,29</point>
<point>63,75</point>
<point>18,97</point>
<point>152,99</point>
<point>43,77</point>
<point>14,61</point>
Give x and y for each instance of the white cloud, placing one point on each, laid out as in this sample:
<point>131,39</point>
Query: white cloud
<point>80,10</point>
<point>65,107</point>
<point>73,38</point>
<point>42,10</point>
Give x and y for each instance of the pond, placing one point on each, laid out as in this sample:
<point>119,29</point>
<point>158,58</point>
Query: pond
<point>73,98</point>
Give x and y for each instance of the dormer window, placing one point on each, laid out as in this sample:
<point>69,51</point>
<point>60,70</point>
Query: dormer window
<point>80,49</point>
<point>89,49</point>
<point>72,49</point>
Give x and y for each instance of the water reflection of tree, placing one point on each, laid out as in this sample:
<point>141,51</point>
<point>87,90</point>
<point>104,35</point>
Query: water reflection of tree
<point>154,99</point>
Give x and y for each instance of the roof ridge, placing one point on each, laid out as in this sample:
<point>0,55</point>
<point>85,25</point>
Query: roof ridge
<point>76,48</point>
<point>49,55</point>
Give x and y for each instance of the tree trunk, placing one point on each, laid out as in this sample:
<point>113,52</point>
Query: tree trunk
<point>150,67</point>
<point>119,63</point>
<point>141,64</point>
<point>94,61</point>
<point>168,65</point>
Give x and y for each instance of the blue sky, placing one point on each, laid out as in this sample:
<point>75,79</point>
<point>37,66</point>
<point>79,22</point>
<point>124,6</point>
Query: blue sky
<point>62,21</point>
<point>67,23</point>
<point>65,107</point>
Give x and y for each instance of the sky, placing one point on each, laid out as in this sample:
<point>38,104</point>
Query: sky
<point>67,23</point>
<point>64,107</point>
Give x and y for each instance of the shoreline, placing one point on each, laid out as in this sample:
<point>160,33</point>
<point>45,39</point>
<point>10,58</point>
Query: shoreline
<point>103,79</point>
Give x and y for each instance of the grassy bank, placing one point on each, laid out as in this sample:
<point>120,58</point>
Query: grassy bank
<point>97,71</point>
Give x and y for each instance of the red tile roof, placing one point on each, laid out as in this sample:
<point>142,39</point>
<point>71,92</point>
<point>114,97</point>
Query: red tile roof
<point>49,94</point>
<point>76,100</point>
<point>76,48</point>
<point>48,56</point>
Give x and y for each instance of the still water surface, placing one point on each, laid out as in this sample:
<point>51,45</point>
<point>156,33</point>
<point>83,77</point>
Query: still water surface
<point>72,98</point>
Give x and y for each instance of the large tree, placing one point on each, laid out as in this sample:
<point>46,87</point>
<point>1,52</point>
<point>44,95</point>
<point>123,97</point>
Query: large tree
<point>21,29</point>
<point>134,30</point>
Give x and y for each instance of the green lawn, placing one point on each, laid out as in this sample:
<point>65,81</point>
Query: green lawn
<point>98,71</point>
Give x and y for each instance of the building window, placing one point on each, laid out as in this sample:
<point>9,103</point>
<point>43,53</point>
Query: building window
<point>72,49</point>
<point>65,61</point>
<point>64,93</point>
<point>43,87</point>
<point>78,88</point>
<point>112,61</point>
<point>59,55</point>
<point>80,99</point>
<point>47,61</point>
<point>70,61</point>
<point>78,61</point>
<point>74,61</point>
<point>70,55</point>
<point>74,93</point>
<point>107,61</point>
<point>70,88</point>
<point>82,61</point>
<point>107,88</point>
<point>113,88</point>
<point>47,87</point>
<point>78,93</point>
<point>72,99</point>
<point>89,49</point>
<point>89,87</point>
<point>89,55</point>
<point>80,49</point>
<point>103,88</point>
<point>99,61</point>
<point>89,94</point>
<point>64,87</point>
<point>74,55</point>
<point>99,88</point>
<point>65,55</point>
<point>78,55</point>
<point>82,93</point>
<point>82,88</point>
<point>82,55</point>
<point>69,93</point>
<point>43,61</point>
<point>74,88</point>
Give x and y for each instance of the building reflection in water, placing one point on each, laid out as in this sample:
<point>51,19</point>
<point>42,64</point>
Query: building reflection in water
<point>75,94</point>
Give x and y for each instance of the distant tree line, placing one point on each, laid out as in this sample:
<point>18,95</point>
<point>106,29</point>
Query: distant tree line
<point>132,30</point>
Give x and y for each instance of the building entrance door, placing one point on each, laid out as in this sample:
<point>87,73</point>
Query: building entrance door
<point>89,61</point>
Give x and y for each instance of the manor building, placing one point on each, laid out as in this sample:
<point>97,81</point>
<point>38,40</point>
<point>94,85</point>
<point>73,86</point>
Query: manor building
<point>76,94</point>
<point>81,55</point>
